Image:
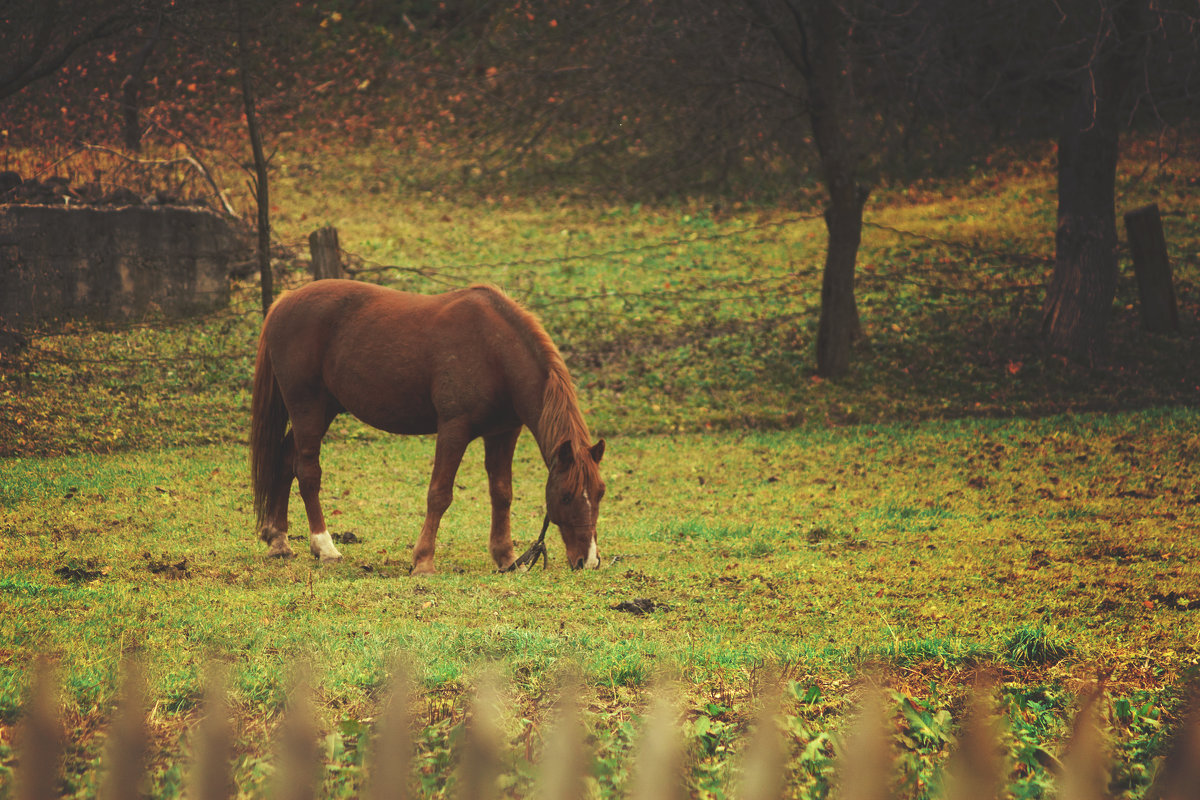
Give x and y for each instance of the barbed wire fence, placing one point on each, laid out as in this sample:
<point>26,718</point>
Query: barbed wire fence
<point>734,301</point>
<point>689,290</point>
<point>701,290</point>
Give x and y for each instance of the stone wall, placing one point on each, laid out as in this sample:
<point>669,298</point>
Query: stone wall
<point>112,263</point>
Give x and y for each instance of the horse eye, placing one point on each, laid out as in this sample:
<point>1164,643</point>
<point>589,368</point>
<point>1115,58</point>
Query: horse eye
<point>567,497</point>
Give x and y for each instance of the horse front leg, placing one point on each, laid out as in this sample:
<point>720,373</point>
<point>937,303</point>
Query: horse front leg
<point>498,456</point>
<point>452,441</point>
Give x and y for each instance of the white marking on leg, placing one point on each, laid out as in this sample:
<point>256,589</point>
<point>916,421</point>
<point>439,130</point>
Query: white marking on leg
<point>321,546</point>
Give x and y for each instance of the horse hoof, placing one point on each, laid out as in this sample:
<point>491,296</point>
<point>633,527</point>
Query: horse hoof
<point>280,552</point>
<point>277,542</point>
<point>424,568</point>
<point>321,546</point>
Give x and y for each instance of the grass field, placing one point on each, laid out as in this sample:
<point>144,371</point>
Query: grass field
<point>961,504</point>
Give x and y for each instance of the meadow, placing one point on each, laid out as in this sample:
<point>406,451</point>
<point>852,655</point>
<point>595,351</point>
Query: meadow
<point>962,505</point>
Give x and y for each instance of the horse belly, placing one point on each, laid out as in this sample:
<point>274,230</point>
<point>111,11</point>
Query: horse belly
<point>386,393</point>
<point>409,418</point>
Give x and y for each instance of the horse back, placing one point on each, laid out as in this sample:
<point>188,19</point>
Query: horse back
<point>396,360</point>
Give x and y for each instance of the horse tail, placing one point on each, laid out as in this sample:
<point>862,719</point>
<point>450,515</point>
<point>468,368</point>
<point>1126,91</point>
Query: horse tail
<point>268,425</point>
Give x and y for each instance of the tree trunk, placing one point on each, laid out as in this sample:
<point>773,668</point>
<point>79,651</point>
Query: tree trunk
<point>831,113</point>
<point>839,327</point>
<point>262,196</point>
<point>1080,296</point>
<point>814,35</point>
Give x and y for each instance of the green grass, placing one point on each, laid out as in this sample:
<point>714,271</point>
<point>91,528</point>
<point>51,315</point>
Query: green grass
<point>813,553</point>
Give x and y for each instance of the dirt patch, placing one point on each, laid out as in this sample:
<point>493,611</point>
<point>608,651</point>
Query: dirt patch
<point>1176,601</point>
<point>640,606</point>
<point>167,567</point>
<point>80,570</point>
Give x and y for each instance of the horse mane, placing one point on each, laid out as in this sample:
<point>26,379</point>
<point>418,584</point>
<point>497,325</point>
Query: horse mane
<point>561,420</point>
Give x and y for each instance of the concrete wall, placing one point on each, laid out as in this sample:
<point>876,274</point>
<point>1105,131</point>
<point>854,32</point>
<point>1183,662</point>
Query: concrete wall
<point>111,263</point>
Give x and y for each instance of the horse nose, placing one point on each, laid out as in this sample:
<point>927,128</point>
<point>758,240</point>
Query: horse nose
<point>578,564</point>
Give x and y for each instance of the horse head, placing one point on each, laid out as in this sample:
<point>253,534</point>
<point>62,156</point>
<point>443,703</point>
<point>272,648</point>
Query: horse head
<point>573,494</point>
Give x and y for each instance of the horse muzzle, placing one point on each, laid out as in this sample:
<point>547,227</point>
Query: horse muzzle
<point>591,560</point>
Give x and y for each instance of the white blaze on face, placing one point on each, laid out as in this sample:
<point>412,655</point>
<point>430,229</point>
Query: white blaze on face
<point>321,546</point>
<point>593,556</point>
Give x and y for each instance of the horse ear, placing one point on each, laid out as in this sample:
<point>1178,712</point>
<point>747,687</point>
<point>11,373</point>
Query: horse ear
<point>564,455</point>
<point>598,451</point>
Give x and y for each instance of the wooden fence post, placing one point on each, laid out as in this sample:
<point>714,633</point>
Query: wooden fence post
<point>864,759</point>
<point>1153,270</point>
<point>326,253</point>
<point>40,738</point>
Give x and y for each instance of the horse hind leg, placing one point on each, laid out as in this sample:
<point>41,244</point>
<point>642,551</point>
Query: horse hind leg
<point>275,527</point>
<point>309,429</point>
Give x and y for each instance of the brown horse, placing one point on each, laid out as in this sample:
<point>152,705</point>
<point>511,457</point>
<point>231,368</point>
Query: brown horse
<point>464,364</point>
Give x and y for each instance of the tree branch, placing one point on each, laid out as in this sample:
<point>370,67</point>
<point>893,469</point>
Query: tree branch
<point>794,48</point>
<point>188,159</point>
<point>33,68</point>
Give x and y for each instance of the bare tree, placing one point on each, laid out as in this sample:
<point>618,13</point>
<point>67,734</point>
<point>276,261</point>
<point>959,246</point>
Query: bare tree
<point>814,37</point>
<point>701,87</point>
<point>260,183</point>
<point>1081,292</point>
<point>1080,72</point>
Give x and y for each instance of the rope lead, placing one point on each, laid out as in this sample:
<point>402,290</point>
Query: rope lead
<point>536,550</point>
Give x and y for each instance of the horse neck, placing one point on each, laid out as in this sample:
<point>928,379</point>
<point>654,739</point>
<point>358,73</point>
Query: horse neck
<point>548,407</point>
<point>558,416</point>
